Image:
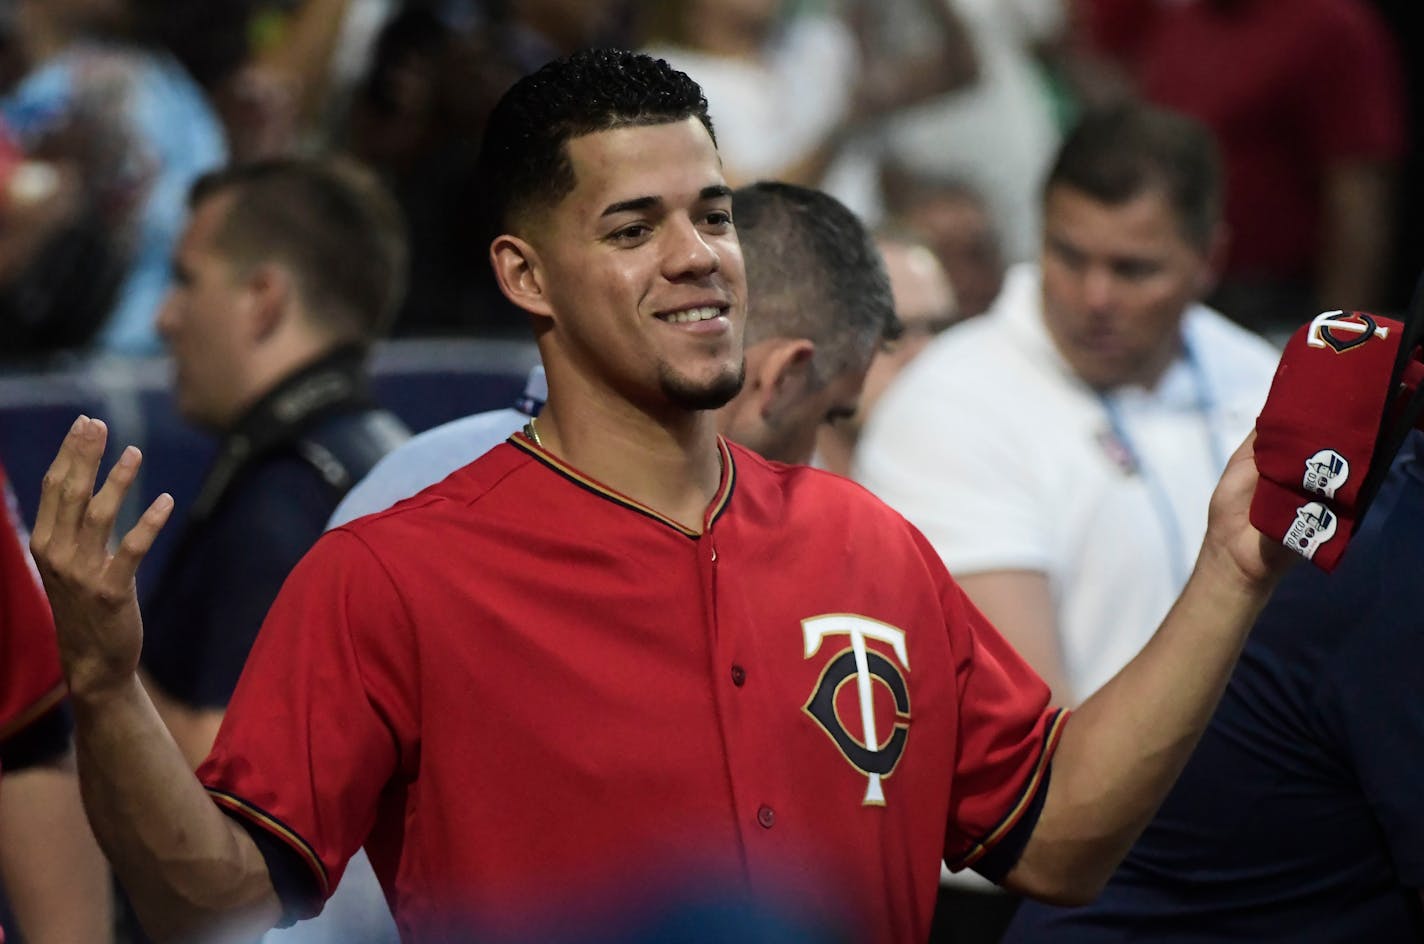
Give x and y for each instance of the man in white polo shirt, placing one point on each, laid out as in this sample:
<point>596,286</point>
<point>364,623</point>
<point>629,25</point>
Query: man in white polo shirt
<point>1060,452</point>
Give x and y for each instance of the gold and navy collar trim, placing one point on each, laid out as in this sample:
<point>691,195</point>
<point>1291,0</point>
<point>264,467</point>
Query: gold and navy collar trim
<point>714,510</point>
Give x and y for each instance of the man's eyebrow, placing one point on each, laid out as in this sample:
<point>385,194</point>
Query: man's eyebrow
<point>713,192</point>
<point>627,206</point>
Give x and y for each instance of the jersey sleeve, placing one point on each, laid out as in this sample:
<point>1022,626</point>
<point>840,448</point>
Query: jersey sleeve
<point>31,684</point>
<point>1007,735</point>
<point>324,715</point>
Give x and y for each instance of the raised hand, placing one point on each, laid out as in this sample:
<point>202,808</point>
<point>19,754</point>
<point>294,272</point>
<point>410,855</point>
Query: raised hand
<point>90,588</point>
<point>1230,535</point>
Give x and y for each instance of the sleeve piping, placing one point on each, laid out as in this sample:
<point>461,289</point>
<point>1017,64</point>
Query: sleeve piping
<point>34,710</point>
<point>235,805</point>
<point>978,850</point>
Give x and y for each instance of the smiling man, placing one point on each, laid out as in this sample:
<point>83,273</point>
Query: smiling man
<point>618,649</point>
<point>1060,452</point>
<point>820,304</point>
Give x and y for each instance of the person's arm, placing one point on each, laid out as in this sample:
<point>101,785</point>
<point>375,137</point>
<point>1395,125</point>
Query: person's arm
<point>52,870</point>
<point>1123,748</point>
<point>303,54</point>
<point>891,82</point>
<point>1020,605</point>
<point>194,729</point>
<point>187,867</point>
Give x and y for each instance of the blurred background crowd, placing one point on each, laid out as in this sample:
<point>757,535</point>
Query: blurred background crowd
<point>937,116</point>
<point>935,121</point>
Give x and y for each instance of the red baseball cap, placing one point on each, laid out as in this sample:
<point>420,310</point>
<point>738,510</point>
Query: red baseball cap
<point>1344,396</point>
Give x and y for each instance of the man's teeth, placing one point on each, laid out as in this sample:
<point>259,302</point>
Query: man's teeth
<point>694,314</point>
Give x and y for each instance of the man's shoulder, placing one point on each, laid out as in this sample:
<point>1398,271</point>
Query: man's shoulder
<point>800,489</point>
<point>463,492</point>
<point>1225,346</point>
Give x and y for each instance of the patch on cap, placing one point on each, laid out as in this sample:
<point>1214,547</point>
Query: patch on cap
<point>1325,472</point>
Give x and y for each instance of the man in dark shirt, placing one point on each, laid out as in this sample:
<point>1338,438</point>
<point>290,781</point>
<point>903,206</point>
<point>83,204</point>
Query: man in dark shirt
<point>1297,819</point>
<point>287,272</point>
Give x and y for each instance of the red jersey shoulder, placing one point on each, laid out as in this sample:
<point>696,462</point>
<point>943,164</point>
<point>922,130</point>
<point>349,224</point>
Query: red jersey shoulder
<point>30,681</point>
<point>465,487</point>
<point>799,490</point>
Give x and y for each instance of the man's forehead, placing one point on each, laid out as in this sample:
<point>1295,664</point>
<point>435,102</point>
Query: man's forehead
<point>1146,223</point>
<point>669,160</point>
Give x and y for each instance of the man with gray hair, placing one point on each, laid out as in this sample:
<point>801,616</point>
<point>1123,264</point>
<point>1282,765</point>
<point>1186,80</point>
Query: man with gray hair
<point>820,304</point>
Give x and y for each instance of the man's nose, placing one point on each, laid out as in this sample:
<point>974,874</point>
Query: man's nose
<point>689,254</point>
<point>167,317</point>
<point>1099,288</point>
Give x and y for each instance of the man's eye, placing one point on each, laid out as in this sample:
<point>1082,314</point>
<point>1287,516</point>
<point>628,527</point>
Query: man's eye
<point>631,233</point>
<point>1134,271</point>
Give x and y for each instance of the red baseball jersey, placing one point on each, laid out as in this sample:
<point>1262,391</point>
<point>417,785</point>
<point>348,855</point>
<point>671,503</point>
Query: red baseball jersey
<point>525,692</point>
<point>30,679</point>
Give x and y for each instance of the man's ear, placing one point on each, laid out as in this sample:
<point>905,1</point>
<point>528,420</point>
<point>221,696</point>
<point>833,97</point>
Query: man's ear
<point>781,374</point>
<point>271,288</point>
<point>520,274</point>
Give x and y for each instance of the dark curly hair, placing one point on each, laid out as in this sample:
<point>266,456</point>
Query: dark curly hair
<point>523,161</point>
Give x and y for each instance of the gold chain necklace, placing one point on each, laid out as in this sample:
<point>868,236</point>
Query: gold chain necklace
<point>533,433</point>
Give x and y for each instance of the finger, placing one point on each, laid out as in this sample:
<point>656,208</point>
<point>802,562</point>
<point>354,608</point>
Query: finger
<point>98,523</point>
<point>1247,449</point>
<point>120,575</point>
<point>51,485</point>
<point>77,487</point>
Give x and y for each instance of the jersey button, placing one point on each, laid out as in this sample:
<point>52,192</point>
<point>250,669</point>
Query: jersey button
<point>714,555</point>
<point>766,817</point>
<point>739,676</point>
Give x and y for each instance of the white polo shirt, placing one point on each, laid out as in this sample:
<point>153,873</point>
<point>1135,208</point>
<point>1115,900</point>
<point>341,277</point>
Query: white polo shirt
<point>1007,461</point>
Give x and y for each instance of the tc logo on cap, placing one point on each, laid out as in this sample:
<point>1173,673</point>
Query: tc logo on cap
<point>1342,332</point>
<point>1314,525</point>
<point>1325,472</point>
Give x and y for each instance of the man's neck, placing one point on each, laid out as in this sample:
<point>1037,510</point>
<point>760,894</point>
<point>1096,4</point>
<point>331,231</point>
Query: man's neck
<point>671,464</point>
<point>835,448</point>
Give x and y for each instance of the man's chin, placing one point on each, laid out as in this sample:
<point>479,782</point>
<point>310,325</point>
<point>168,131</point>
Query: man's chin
<point>711,394</point>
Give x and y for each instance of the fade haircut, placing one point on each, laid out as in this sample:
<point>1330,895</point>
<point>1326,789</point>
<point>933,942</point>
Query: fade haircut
<point>331,222</point>
<point>524,161</point>
<point>1115,155</point>
<point>813,271</point>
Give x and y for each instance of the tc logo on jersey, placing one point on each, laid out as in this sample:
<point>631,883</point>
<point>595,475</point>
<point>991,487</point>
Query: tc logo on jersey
<point>1340,331</point>
<point>1325,472</point>
<point>871,756</point>
<point>1314,525</point>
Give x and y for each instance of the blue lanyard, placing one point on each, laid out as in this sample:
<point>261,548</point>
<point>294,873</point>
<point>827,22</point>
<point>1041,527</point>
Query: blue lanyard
<point>1156,491</point>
